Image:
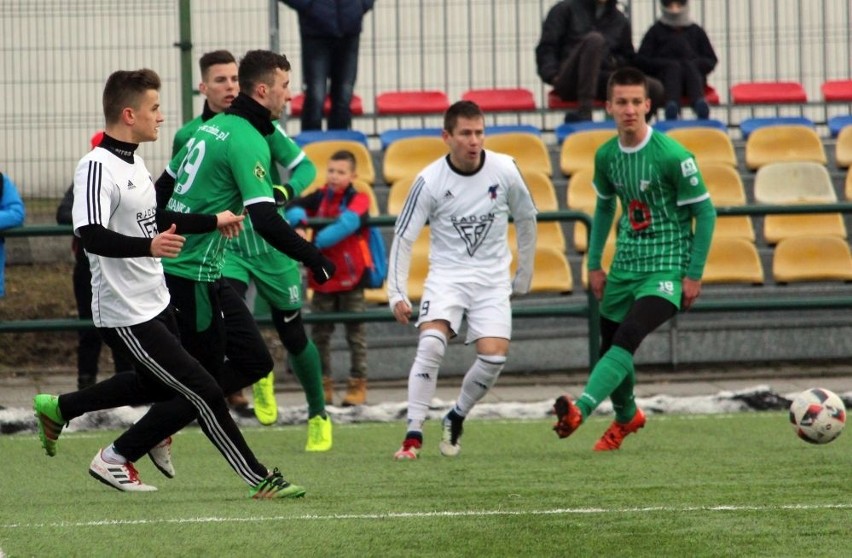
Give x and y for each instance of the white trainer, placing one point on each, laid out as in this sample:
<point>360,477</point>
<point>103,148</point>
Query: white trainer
<point>451,431</point>
<point>161,455</point>
<point>121,477</point>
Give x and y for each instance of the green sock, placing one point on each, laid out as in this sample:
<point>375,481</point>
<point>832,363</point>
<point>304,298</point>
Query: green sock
<point>607,375</point>
<point>624,400</point>
<point>306,366</point>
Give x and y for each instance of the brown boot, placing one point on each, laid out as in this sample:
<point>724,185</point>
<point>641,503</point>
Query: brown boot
<point>328,388</point>
<point>356,392</point>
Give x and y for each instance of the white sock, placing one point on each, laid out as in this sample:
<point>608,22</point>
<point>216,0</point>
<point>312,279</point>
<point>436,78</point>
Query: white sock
<point>478,380</point>
<point>423,377</point>
<point>111,456</point>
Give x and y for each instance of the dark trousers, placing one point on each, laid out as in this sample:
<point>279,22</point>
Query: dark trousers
<point>216,328</point>
<point>680,78</point>
<point>329,65</point>
<point>166,373</point>
<point>89,341</point>
<point>356,332</point>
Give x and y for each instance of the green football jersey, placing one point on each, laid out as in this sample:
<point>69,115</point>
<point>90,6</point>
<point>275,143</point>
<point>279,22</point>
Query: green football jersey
<point>224,166</point>
<point>186,132</point>
<point>655,183</point>
<point>288,154</point>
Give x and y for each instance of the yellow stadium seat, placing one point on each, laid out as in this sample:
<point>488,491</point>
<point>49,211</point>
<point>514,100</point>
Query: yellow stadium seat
<point>848,190</point>
<point>548,233</point>
<point>726,190</point>
<point>772,144</point>
<point>360,186</point>
<point>528,150</point>
<point>606,262</point>
<point>541,189</point>
<point>398,194</point>
<point>812,258</point>
<point>793,181</point>
<point>733,260</point>
<point>843,148</point>
<point>780,227</point>
<point>376,296</point>
<point>709,145</point>
<point>319,152</point>
<point>551,272</point>
<point>409,156</point>
<point>581,196</point>
<point>578,150</point>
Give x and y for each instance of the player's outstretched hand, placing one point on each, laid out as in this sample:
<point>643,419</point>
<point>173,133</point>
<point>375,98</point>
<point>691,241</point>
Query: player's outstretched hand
<point>322,269</point>
<point>229,225</point>
<point>402,312</point>
<point>167,244</point>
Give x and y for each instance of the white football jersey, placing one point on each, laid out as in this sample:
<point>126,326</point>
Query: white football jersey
<point>120,197</point>
<point>468,217</point>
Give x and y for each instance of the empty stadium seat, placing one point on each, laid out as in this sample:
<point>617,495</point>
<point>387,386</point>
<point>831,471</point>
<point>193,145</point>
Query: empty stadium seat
<point>398,194</point>
<point>567,128</point>
<point>726,190</point>
<point>551,272</point>
<point>528,150</point>
<point>843,148</point>
<point>812,258</point>
<point>321,151</point>
<point>389,136</point>
<point>376,296</point>
<point>554,102</point>
<point>709,145</point>
<point>783,143</point>
<point>310,136</point>
<point>412,102</point>
<point>793,181</point>
<point>297,103</point>
<point>578,149</point>
<point>409,156</point>
<point>501,99</point>
<point>837,90</point>
<point>768,92</point>
<point>777,228</point>
<point>733,260</point>
<point>581,196</point>
<point>542,190</point>
<point>749,125</point>
<point>837,123</point>
<point>667,125</point>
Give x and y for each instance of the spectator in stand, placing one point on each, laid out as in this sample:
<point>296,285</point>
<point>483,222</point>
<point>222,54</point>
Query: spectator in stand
<point>344,242</point>
<point>12,214</point>
<point>89,341</point>
<point>331,32</point>
<point>582,43</point>
<point>678,52</point>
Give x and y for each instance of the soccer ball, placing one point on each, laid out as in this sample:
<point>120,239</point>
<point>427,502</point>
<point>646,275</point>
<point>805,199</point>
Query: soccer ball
<point>817,415</point>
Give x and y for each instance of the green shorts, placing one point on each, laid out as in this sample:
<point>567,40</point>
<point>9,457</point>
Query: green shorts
<point>277,278</point>
<point>623,288</point>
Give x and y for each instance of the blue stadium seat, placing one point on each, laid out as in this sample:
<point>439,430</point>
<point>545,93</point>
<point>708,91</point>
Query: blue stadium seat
<point>311,136</point>
<point>564,130</point>
<point>837,123</point>
<point>749,125</point>
<point>666,125</point>
<point>389,136</point>
<point>512,128</point>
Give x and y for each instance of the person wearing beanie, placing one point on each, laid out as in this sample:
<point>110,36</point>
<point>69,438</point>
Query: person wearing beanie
<point>677,51</point>
<point>582,43</point>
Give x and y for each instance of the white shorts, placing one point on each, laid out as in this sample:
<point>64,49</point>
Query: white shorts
<point>488,310</point>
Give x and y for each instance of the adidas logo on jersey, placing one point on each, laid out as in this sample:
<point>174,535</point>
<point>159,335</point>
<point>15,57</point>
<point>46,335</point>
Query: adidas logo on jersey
<point>130,185</point>
<point>448,195</point>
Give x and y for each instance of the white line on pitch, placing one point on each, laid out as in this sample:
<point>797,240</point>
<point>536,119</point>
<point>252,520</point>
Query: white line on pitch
<point>422,515</point>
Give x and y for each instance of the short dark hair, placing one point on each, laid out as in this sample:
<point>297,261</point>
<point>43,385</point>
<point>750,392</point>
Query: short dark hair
<point>124,89</point>
<point>213,58</point>
<point>344,155</point>
<point>626,76</point>
<point>461,109</point>
<point>257,66</point>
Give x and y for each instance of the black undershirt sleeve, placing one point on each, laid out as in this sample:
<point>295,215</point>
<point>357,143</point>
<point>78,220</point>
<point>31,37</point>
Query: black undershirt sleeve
<point>110,244</point>
<point>275,230</point>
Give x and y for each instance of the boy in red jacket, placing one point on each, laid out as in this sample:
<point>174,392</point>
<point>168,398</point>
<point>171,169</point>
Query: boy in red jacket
<point>345,243</point>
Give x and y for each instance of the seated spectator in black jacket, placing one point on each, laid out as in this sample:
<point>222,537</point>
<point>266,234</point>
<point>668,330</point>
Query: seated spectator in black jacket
<point>582,43</point>
<point>677,51</point>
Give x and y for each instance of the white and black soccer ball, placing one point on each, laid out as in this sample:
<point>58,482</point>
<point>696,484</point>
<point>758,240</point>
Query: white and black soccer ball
<point>818,415</point>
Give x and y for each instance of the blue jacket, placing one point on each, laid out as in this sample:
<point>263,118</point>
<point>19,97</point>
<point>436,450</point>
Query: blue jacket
<point>11,215</point>
<point>330,18</point>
